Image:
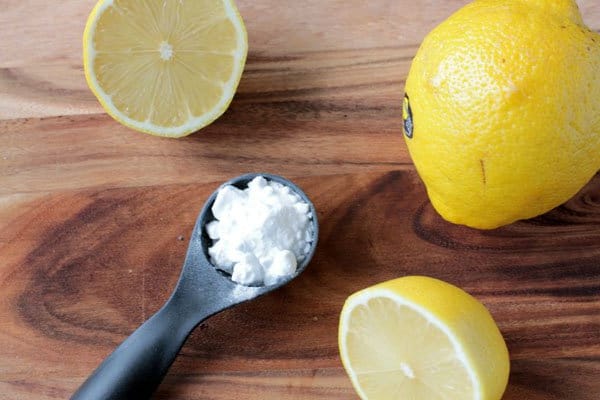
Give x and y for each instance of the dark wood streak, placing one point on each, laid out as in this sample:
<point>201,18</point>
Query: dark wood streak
<point>567,292</point>
<point>317,91</point>
<point>251,68</point>
<point>57,276</point>
<point>256,57</point>
<point>554,379</point>
<point>296,108</point>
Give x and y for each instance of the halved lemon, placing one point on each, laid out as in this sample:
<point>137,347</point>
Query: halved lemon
<point>164,67</point>
<point>418,338</point>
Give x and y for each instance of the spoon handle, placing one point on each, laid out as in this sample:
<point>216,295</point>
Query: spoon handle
<point>136,368</point>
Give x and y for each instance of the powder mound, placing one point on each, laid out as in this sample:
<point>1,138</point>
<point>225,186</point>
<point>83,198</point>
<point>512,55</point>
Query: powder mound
<point>260,233</point>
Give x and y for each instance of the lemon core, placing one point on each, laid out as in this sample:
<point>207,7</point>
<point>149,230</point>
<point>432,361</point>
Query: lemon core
<point>166,51</point>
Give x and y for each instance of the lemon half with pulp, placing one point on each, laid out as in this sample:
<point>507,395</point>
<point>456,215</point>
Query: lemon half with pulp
<point>164,67</point>
<point>418,338</point>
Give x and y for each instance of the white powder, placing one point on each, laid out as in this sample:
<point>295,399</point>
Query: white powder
<point>260,233</point>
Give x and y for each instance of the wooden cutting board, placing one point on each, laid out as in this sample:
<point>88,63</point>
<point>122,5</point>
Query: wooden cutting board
<point>95,218</point>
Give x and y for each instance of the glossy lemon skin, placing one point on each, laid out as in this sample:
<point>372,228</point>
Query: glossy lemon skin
<point>504,98</point>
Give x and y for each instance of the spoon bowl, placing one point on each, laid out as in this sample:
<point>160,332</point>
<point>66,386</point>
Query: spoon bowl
<point>135,369</point>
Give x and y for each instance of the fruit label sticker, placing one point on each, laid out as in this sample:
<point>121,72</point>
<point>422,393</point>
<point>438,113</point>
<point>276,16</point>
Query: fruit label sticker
<point>407,118</point>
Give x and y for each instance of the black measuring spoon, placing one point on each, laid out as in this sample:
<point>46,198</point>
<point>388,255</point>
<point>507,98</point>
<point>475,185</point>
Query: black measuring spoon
<point>135,369</point>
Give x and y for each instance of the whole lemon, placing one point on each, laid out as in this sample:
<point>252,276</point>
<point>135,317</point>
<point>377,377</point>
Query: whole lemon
<point>502,110</point>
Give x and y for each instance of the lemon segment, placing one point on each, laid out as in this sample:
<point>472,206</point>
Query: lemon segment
<point>420,338</point>
<point>166,68</point>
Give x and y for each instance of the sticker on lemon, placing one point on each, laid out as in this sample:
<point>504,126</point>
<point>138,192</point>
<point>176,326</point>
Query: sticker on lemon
<point>504,100</point>
<point>420,338</point>
<point>167,68</point>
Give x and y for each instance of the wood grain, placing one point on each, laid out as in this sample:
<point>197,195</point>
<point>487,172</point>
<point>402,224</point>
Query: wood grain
<point>91,213</point>
<point>84,268</point>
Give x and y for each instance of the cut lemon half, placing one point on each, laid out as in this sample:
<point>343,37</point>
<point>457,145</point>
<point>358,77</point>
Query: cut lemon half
<point>418,338</point>
<point>164,67</point>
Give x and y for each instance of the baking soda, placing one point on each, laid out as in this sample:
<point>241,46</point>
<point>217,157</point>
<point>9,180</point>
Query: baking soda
<point>259,234</point>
